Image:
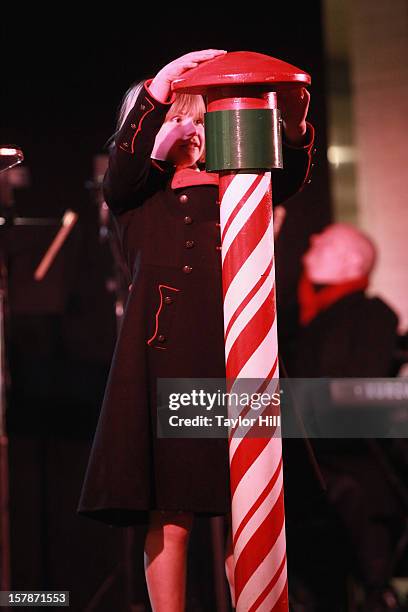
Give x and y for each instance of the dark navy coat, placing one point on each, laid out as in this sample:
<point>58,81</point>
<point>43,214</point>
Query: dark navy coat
<point>173,327</point>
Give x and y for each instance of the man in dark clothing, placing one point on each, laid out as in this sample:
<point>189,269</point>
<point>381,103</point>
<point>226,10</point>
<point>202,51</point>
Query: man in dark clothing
<point>345,333</point>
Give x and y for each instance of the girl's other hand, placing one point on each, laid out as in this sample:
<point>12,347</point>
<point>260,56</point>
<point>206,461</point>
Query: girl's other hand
<point>160,87</point>
<point>294,105</point>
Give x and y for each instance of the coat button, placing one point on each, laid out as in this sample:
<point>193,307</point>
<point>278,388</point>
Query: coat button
<point>188,220</point>
<point>183,198</point>
<point>218,225</point>
<point>190,244</point>
<point>161,338</point>
<point>168,300</point>
<point>187,269</point>
<point>218,248</point>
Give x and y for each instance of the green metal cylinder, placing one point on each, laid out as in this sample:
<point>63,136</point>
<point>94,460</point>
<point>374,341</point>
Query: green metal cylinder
<point>242,139</point>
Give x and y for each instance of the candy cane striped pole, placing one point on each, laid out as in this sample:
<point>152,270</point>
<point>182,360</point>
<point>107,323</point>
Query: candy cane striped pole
<point>242,144</point>
<point>251,352</point>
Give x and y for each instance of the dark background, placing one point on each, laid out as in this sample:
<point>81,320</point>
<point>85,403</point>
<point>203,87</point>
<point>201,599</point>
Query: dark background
<point>62,80</point>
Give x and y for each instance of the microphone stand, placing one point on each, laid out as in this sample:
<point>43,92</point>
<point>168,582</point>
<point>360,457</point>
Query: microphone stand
<point>118,284</point>
<point>9,157</point>
<point>4,481</point>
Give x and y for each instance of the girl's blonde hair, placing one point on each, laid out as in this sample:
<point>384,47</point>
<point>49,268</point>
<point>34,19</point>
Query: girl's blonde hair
<point>128,102</point>
<point>187,103</point>
<point>183,103</point>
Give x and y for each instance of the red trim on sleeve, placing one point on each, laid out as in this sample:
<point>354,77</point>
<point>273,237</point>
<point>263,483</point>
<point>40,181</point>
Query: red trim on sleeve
<point>309,136</point>
<point>311,133</point>
<point>168,102</point>
<point>156,165</point>
<point>139,127</point>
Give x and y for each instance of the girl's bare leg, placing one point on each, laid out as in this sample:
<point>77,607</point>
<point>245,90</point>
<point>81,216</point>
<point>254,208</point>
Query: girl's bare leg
<point>166,559</point>
<point>229,561</point>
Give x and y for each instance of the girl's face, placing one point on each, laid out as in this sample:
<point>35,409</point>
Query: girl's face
<point>180,139</point>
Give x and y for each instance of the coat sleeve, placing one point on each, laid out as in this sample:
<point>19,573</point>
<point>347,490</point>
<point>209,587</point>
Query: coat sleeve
<point>297,165</point>
<point>131,173</point>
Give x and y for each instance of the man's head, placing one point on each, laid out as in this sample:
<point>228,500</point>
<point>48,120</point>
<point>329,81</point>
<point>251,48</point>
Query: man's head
<point>338,254</point>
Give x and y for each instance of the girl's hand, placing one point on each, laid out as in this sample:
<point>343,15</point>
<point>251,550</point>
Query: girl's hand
<point>160,87</point>
<point>294,105</point>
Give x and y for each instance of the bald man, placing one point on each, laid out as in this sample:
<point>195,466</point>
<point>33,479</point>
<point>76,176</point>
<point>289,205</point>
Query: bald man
<point>338,254</point>
<point>345,333</point>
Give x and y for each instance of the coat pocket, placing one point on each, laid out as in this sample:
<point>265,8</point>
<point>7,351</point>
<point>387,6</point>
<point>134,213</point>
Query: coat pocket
<point>164,316</point>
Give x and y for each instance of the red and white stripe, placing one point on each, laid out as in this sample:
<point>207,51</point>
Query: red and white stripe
<point>251,352</point>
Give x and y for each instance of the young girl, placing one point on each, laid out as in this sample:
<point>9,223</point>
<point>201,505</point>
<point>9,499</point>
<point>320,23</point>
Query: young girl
<point>167,215</point>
